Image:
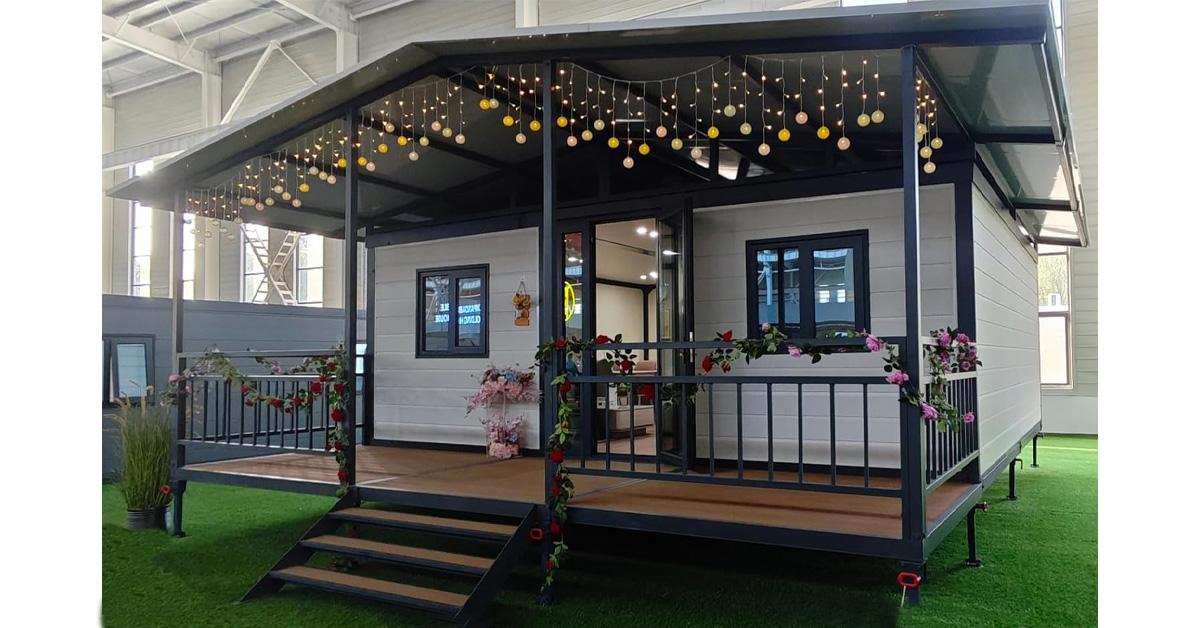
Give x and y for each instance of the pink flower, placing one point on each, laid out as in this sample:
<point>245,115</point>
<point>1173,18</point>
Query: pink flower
<point>897,377</point>
<point>173,379</point>
<point>963,338</point>
<point>928,412</point>
<point>969,417</point>
<point>944,340</point>
<point>794,351</point>
<point>874,344</point>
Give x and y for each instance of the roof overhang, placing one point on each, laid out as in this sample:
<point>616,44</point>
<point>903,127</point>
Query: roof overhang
<point>981,58</point>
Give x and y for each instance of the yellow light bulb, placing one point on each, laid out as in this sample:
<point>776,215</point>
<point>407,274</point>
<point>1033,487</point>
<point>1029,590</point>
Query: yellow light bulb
<point>784,135</point>
<point>362,161</point>
<point>713,132</point>
<point>823,132</point>
<point>341,162</point>
<point>485,104</point>
<point>535,126</point>
<point>304,187</point>
<point>863,119</point>
<point>644,149</point>
<point>926,152</point>
<point>613,142</point>
<point>383,148</point>
<point>508,121</point>
<point>677,143</point>
<point>402,140</point>
<point>562,122</point>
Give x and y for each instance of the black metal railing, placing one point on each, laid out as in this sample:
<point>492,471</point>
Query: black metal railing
<point>759,412</point>
<point>949,451</point>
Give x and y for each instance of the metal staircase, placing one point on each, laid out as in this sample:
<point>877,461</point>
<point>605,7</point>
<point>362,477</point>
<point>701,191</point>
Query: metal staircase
<point>479,574</point>
<point>272,265</point>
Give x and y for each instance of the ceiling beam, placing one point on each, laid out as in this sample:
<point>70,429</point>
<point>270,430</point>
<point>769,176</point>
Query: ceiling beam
<point>129,7</point>
<point>328,13</point>
<point>157,46</point>
<point>203,31</point>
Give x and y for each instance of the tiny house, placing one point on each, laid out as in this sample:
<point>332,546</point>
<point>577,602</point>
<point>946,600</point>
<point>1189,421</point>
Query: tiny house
<point>649,195</point>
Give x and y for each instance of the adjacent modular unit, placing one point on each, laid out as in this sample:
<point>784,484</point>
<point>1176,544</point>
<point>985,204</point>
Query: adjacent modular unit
<point>665,182</point>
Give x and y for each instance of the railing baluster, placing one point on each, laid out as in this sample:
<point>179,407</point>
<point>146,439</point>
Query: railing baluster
<point>255,415</point>
<point>741,461</point>
<point>712,442</point>
<point>204,423</point>
<point>770,435</point>
<point>866,440</point>
<point>683,422</point>
<point>800,432</point>
<point>632,407</point>
<point>296,418</point>
<point>657,403</point>
<point>607,436</point>
<point>312,407</point>
<point>832,435</point>
<point>228,411</point>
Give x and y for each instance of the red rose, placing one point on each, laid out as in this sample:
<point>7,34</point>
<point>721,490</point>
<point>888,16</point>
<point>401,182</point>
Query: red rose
<point>602,339</point>
<point>337,414</point>
<point>331,366</point>
<point>725,367</point>
<point>328,446</point>
<point>249,403</point>
<point>323,378</point>
<point>557,456</point>
<point>707,363</point>
<point>727,336</point>
<point>564,387</point>
<point>287,409</point>
<point>343,475</point>
<point>646,390</point>
<point>337,445</point>
<point>626,366</point>
<point>339,388</point>
<point>316,388</point>
<point>165,490</point>
<point>560,344</point>
<point>246,388</point>
<point>277,403</point>
<point>555,490</point>
<point>549,565</point>
<point>555,529</point>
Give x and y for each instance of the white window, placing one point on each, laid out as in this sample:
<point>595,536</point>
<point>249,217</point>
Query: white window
<point>254,285</point>
<point>1054,314</point>
<point>141,240</point>
<point>310,270</point>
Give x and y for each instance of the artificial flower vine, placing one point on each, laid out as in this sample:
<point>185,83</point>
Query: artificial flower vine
<point>562,489</point>
<point>952,351</point>
<point>332,378</point>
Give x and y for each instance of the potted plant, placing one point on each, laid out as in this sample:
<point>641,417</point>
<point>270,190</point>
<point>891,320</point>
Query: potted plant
<point>622,394</point>
<point>499,387</point>
<point>145,474</point>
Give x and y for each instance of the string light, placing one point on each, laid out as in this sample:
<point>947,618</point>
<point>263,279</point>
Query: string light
<point>864,120</point>
<point>822,131</point>
<point>801,116</point>
<point>784,134</point>
<point>843,142</point>
<point>877,115</point>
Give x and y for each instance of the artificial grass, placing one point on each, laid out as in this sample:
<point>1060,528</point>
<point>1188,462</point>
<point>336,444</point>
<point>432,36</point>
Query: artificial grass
<point>1039,553</point>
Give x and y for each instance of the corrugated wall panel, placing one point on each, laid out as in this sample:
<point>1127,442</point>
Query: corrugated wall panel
<point>157,112</point>
<point>279,79</point>
<point>425,20</point>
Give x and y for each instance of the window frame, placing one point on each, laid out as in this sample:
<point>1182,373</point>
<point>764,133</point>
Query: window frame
<point>111,388</point>
<point>454,274</point>
<point>1068,321</point>
<point>242,274</point>
<point>297,270</point>
<point>856,240</point>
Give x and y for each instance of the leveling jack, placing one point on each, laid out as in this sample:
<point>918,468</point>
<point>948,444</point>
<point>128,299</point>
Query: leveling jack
<point>972,557</point>
<point>1012,477</point>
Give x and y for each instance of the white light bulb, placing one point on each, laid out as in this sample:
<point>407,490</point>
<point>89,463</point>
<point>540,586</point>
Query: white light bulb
<point>764,149</point>
<point>653,234</point>
<point>801,117</point>
<point>696,152</point>
<point>413,156</point>
<point>572,140</point>
<point>370,166</point>
<point>843,143</point>
<point>627,162</point>
<point>460,139</point>
<point>520,138</point>
<point>586,135</point>
<point>660,131</point>
<point>331,180</point>
<point>653,275</point>
<point>598,124</point>
<point>641,230</point>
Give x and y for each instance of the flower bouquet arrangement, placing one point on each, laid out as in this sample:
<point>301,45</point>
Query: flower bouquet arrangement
<point>499,387</point>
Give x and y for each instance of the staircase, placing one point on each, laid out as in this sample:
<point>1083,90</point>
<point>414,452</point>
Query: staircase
<point>485,570</point>
<point>273,266</point>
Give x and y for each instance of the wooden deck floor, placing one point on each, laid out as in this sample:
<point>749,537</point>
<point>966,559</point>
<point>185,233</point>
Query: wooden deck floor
<point>520,480</point>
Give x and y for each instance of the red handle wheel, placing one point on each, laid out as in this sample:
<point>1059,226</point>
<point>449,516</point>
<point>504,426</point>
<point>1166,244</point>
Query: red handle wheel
<point>536,534</point>
<point>908,579</point>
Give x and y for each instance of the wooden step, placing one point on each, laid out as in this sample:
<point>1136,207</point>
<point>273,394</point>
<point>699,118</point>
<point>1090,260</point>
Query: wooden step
<point>385,590</point>
<point>417,556</point>
<point>441,525</point>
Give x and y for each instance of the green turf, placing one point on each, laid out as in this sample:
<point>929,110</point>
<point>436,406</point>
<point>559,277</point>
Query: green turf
<point>1039,553</point>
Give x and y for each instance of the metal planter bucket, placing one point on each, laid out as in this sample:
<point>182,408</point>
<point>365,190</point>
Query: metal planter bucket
<point>153,519</point>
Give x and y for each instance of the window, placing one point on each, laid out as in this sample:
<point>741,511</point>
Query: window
<point>254,285</point>
<point>811,287</point>
<point>141,239</point>
<point>452,312</point>
<point>128,367</point>
<point>189,256</point>
<point>310,270</point>
<point>1054,314</point>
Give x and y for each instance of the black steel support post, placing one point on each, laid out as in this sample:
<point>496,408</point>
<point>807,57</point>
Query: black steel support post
<point>179,451</point>
<point>972,555</point>
<point>368,410</point>
<point>1035,440</point>
<point>350,285</point>
<point>1012,479</point>
<point>912,443</point>
<point>547,297</point>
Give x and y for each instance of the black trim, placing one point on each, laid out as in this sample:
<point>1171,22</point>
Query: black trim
<point>416,444</point>
<point>454,274</point>
<point>112,373</point>
<point>856,240</point>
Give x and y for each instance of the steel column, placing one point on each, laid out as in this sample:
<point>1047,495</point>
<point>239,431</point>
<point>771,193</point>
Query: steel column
<point>369,355</point>
<point>548,276</point>
<point>912,442</point>
<point>350,286</point>
<point>179,453</point>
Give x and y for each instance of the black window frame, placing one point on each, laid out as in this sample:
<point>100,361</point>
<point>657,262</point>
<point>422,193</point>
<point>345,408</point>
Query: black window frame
<point>454,273</point>
<point>854,240</point>
<point>111,387</point>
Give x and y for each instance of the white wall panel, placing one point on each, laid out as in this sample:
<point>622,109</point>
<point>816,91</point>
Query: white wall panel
<point>157,112</point>
<point>427,21</point>
<point>279,79</point>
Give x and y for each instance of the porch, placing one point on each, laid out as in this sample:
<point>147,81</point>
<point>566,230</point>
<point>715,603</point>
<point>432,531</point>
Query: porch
<point>428,476</point>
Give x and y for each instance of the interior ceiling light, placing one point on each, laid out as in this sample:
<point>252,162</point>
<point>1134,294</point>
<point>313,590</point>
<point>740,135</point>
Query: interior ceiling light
<point>641,230</point>
<point>653,275</point>
<point>653,234</point>
<point>642,277</point>
<point>669,252</point>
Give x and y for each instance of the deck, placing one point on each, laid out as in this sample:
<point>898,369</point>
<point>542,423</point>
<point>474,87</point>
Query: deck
<point>520,481</point>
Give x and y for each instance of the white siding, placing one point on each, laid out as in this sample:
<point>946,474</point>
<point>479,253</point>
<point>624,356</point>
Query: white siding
<point>721,304</point>
<point>157,112</point>
<point>424,400</point>
<point>428,21</point>
<point>1007,330</point>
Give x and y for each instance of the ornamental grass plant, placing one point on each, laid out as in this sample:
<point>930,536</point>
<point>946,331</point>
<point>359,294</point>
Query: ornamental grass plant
<point>145,441</point>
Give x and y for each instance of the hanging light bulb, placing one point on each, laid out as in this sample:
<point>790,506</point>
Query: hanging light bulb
<point>520,138</point>
<point>322,175</point>
<point>713,132</point>
<point>508,120</point>
<point>784,135</point>
<point>436,125</point>
<point>447,132</point>
<point>460,139</point>
<point>627,162</point>
<point>586,135</point>
<point>746,128</point>
<point>660,131</point>
<point>863,119</point>
<point>402,140</point>
<point>613,142</point>
<point>729,111</point>
<point>362,161</point>
<point>925,152</point>
<point>485,104</point>
<point>424,141</point>
<point>257,206</point>
<point>823,132</point>
<point>644,148</point>
<point>304,187</point>
<point>269,202</point>
<point>287,196</point>
<point>929,167</point>
<point>494,103</point>
<point>764,149</point>
<point>278,189</point>
<point>296,202</point>
<point>562,122</point>
<point>801,117</point>
<point>936,143</point>
<point>598,124</point>
<point>696,152</point>
<point>331,180</point>
<point>843,143</point>
<point>341,162</point>
<point>313,170</point>
<point>572,140</point>
<point>237,220</point>
<point>370,166</point>
<point>389,127</point>
<point>921,130</point>
<point>877,116</point>
<point>382,148</point>
<point>413,156</point>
